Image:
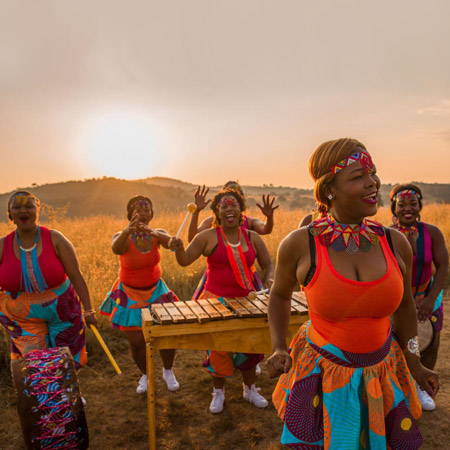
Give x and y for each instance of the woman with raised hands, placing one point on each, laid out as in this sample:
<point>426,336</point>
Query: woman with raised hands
<point>428,246</point>
<point>139,285</point>
<point>230,252</point>
<point>41,285</point>
<point>346,379</point>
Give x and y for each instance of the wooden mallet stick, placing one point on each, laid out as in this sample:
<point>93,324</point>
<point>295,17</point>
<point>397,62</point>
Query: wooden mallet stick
<point>191,207</point>
<point>252,295</point>
<point>106,349</point>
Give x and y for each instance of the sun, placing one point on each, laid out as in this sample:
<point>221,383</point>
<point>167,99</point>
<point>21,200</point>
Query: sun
<point>123,145</point>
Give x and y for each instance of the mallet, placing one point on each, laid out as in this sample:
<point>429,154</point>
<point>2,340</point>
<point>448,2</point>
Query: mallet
<point>106,349</point>
<point>252,295</point>
<point>191,207</point>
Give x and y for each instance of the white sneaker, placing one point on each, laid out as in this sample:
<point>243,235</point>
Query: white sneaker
<point>218,397</point>
<point>252,395</point>
<point>171,381</point>
<point>425,400</point>
<point>142,386</point>
<point>258,370</point>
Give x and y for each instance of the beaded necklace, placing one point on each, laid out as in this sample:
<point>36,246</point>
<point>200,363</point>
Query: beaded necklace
<point>238,263</point>
<point>140,238</point>
<point>411,233</point>
<point>348,237</point>
<point>33,280</point>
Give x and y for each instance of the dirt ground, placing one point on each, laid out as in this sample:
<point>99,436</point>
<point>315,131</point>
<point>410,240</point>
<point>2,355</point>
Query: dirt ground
<point>117,416</point>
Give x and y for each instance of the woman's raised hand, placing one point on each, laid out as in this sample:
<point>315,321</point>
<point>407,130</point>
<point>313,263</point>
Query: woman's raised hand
<point>267,207</point>
<point>134,223</point>
<point>280,362</point>
<point>200,197</point>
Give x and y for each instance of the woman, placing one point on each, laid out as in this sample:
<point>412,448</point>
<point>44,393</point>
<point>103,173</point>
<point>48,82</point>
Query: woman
<point>230,252</point>
<point>428,245</point>
<point>346,380</point>
<point>250,223</point>
<point>139,285</point>
<point>41,281</point>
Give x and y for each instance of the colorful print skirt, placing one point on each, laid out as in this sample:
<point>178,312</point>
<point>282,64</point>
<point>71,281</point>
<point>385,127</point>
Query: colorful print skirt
<point>222,364</point>
<point>37,321</point>
<point>124,303</point>
<point>337,400</point>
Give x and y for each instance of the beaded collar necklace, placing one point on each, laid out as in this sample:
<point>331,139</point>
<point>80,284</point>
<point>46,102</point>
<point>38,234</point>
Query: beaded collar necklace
<point>411,233</point>
<point>348,237</point>
<point>140,238</point>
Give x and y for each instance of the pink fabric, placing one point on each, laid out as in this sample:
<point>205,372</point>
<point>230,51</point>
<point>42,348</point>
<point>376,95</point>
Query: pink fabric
<point>49,263</point>
<point>220,279</point>
<point>427,263</point>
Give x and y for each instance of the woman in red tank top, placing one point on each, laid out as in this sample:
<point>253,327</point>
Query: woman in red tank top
<point>346,378</point>
<point>230,251</point>
<point>40,283</point>
<point>139,284</point>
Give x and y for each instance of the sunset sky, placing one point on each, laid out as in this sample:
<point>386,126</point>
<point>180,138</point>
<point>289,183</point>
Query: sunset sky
<point>211,90</point>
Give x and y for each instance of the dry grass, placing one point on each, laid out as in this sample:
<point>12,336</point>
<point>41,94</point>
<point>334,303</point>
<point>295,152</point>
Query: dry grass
<point>117,417</point>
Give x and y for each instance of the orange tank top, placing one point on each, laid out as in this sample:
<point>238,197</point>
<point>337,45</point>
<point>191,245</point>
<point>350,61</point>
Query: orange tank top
<point>139,269</point>
<point>353,315</point>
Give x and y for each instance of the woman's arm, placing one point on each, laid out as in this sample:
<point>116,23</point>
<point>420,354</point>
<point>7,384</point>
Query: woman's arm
<point>161,235</point>
<point>404,319</point>
<point>120,241</point>
<point>201,203</point>
<point>267,209</point>
<point>440,260</point>
<point>263,257</point>
<point>67,255</point>
<point>195,249</point>
<point>288,258</point>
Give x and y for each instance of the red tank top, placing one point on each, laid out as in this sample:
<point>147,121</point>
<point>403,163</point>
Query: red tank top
<point>353,315</point>
<point>49,263</point>
<point>140,269</point>
<point>220,279</point>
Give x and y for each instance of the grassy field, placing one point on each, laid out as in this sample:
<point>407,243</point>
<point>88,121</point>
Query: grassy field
<point>116,415</point>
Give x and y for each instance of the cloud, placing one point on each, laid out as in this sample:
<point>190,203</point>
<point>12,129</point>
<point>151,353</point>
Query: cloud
<point>440,109</point>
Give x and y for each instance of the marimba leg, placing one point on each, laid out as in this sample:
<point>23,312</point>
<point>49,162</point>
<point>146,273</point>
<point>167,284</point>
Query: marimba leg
<point>151,400</point>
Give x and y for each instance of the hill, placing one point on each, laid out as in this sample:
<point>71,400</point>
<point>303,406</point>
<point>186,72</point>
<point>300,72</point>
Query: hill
<point>109,196</point>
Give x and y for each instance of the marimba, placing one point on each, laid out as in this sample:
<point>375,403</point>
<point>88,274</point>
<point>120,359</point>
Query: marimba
<point>240,325</point>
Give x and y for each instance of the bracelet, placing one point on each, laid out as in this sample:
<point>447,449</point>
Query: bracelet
<point>413,346</point>
<point>89,312</point>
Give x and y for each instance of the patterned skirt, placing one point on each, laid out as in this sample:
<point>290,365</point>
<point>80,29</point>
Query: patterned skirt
<point>37,321</point>
<point>124,303</point>
<point>222,364</point>
<point>333,399</point>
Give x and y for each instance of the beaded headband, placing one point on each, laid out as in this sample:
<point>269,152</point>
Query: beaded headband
<point>22,198</point>
<point>407,193</point>
<point>141,203</point>
<point>362,156</point>
<point>228,201</point>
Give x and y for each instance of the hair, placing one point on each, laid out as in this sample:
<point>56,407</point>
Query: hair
<point>215,202</point>
<point>403,187</point>
<point>29,194</point>
<point>135,199</point>
<point>233,185</point>
<point>323,159</point>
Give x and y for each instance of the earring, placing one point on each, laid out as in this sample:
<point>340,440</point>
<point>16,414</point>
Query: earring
<point>330,197</point>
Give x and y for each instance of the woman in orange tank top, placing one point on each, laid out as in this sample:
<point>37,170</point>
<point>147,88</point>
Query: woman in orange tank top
<point>139,285</point>
<point>346,379</point>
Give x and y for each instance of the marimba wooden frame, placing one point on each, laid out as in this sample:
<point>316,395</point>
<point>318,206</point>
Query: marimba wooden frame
<point>250,335</point>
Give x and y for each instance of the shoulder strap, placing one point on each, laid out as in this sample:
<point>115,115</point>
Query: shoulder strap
<point>389,239</point>
<point>420,256</point>
<point>312,256</point>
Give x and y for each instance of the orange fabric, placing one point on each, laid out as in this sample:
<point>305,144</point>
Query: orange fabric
<point>353,315</point>
<point>140,269</point>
